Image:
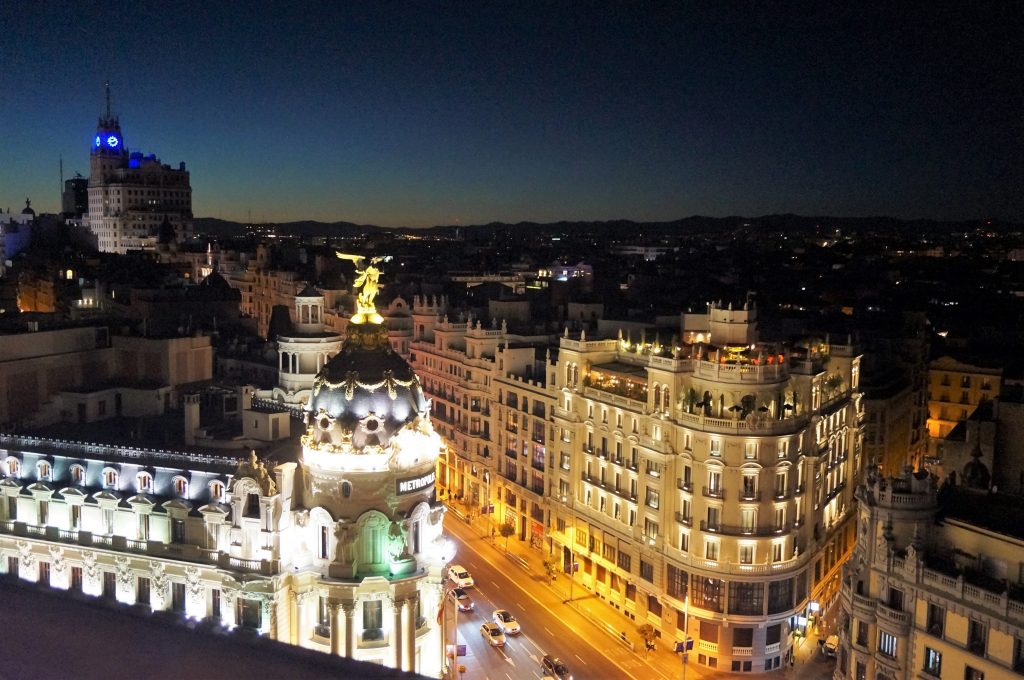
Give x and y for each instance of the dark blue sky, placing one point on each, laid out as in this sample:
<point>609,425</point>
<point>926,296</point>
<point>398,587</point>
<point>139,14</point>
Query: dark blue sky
<point>421,113</point>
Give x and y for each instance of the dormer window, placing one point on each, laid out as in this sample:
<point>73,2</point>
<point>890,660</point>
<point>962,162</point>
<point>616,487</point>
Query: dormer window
<point>13,467</point>
<point>144,482</point>
<point>181,486</point>
<point>216,490</point>
<point>77,474</point>
<point>110,478</point>
<point>44,471</point>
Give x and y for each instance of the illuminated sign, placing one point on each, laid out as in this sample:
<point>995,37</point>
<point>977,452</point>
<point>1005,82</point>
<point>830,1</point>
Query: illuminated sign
<point>97,140</point>
<point>113,141</point>
<point>414,484</point>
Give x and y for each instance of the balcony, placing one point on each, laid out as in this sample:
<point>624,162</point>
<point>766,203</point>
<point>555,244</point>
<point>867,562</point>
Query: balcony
<point>714,492</point>
<point>737,530</point>
<point>750,496</point>
<point>780,495</point>
<point>686,520</point>
<point>684,485</point>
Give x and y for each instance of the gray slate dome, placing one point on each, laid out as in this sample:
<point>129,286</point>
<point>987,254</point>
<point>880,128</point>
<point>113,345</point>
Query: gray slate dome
<point>366,391</point>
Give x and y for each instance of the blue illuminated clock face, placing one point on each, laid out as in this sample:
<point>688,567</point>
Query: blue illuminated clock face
<point>113,141</point>
<point>97,140</point>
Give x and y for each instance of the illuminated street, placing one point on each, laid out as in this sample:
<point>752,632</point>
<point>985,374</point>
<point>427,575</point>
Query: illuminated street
<point>579,634</point>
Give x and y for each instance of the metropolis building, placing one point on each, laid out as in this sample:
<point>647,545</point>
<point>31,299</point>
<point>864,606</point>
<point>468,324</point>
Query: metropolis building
<point>340,550</point>
<point>702,486</point>
<point>134,197</point>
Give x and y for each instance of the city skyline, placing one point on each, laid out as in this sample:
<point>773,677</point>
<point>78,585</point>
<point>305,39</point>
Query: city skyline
<point>409,116</point>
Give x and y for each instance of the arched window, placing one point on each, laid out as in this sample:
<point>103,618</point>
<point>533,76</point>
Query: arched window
<point>346,489</point>
<point>77,474</point>
<point>43,471</point>
<point>216,490</point>
<point>110,478</point>
<point>144,482</point>
<point>181,486</point>
<point>13,467</point>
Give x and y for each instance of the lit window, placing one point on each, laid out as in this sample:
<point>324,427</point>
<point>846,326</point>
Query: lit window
<point>144,482</point>
<point>216,491</point>
<point>181,486</point>
<point>13,467</point>
<point>77,474</point>
<point>887,644</point>
<point>44,471</point>
<point>110,478</point>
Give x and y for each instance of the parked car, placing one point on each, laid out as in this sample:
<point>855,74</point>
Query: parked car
<point>461,598</point>
<point>492,633</point>
<point>508,623</point>
<point>555,668</point>
<point>459,576</point>
<point>831,645</point>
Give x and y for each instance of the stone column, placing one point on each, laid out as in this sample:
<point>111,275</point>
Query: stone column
<point>349,608</point>
<point>396,630</point>
<point>410,634</point>
<point>336,632</point>
<point>293,617</point>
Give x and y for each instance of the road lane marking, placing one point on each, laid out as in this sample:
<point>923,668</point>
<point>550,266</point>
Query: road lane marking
<point>581,659</point>
<point>495,585</point>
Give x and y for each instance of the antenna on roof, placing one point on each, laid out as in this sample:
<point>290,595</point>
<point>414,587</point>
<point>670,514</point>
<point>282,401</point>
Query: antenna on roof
<point>107,85</point>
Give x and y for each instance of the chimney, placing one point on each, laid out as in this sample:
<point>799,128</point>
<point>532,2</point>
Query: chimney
<point>191,418</point>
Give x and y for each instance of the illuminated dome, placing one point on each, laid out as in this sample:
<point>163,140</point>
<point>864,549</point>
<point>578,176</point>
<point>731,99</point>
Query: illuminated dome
<point>364,395</point>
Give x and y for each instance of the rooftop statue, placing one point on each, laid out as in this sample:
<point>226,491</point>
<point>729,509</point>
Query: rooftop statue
<point>366,312</point>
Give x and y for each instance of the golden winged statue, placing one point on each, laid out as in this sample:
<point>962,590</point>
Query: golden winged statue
<point>366,282</point>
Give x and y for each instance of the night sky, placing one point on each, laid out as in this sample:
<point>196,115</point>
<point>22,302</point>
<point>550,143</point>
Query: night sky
<point>422,113</point>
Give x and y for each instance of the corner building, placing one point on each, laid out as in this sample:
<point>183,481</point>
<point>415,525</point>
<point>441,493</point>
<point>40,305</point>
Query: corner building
<point>340,551</point>
<point>704,487</point>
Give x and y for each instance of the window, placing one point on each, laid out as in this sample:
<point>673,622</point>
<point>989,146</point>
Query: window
<point>887,644</point>
<point>143,528</point>
<point>323,618</point>
<point>780,596</point>
<point>936,619</point>
<point>177,531</point>
<point>932,662</point>
<point>750,451</point>
<point>43,470</point>
<point>742,637</point>
<point>216,491</point>
<point>13,467</point>
<point>178,597</point>
<point>44,512</point>
<point>324,544</point>
<point>746,554</point>
<point>564,461</point>
<point>77,474</point>
<point>649,528</point>
<point>677,581</point>
<point>76,517</point>
<point>76,579</point>
<point>248,613</point>
<point>777,552</point>
<point>144,482</point>
<point>252,505</point>
<point>706,593</point>
<point>110,478</point>
<point>684,541</point>
<point>716,447</point>
<point>372,616</point>
<point>976,636</point>
<point>625,562</point>
<point>746,599</point>
<point>862,633</point>
<point>142,591</point>
<point>181,486</point>
<point>773,635</point>
<point>652,498</point>
<point>973,674</point>
<point>647,571</point>
<point>711,549</point>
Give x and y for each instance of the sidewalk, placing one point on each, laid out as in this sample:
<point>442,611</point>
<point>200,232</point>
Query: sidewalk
<point>808,662</point>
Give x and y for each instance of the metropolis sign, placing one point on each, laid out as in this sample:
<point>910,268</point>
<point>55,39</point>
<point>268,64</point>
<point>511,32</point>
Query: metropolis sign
<point>410,485</point>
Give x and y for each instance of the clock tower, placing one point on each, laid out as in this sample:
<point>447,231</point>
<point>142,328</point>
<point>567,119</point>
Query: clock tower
<point>108,150</point>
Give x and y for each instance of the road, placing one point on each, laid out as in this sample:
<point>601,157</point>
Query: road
<point>549,626</point>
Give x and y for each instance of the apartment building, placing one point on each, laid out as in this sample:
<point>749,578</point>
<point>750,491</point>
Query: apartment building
<point>703,488</point>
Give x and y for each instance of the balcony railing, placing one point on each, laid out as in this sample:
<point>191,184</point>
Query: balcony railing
<point>714,492</point>
<point>746,495</point>
<point>684,485</point>
<point>738,530</point>
<point>684,519</point>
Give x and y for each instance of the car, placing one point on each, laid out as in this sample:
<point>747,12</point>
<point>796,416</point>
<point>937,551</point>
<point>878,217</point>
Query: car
<point>508,623</point>
<point>831,645</point>
<point>459,576</point>
<point>461,598</point>
<point>554,667</point>
<point>492,633</point>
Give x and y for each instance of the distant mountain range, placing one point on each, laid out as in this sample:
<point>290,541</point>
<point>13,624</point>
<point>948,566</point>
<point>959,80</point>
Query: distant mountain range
<point>693,225</point>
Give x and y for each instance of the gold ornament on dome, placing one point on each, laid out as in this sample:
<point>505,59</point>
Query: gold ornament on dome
<point>367,283</point>
<point>351,381</point>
